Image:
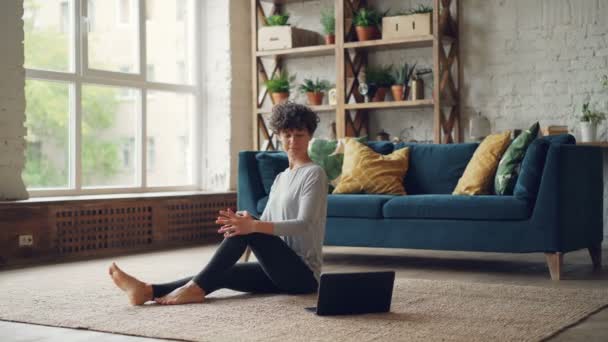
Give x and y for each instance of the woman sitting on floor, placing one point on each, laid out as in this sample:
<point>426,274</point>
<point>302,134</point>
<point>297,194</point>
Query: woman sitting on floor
<point>287,240</point>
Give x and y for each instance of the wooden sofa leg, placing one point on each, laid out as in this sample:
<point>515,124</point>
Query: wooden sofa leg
<point>246,255</point>
<point>595,252</point>
<point>555,262</point>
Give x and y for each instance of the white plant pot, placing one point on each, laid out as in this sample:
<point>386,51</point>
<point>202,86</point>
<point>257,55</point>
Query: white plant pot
<point>588,131</point>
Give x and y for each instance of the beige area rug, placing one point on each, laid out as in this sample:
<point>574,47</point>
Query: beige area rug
<point>80,295</point>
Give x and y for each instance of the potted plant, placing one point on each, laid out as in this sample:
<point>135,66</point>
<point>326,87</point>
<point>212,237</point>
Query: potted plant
<point>421,9</point>
<point>366,23</point>
<point>328,20</point>
<point>277,34</point>
<point>589,121</point>
<point>279,86</point>
<point>401,78</point>
<point>314,90</point>
<point>379,79</point>
<point>279,19</point>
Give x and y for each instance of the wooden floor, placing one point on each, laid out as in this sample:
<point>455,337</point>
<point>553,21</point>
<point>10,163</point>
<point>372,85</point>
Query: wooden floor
<point>527,269</point>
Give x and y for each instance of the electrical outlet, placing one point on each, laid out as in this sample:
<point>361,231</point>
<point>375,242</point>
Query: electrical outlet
<point>26,240</point>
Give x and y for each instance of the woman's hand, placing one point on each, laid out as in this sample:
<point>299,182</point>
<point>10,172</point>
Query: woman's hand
<point>239,223</point>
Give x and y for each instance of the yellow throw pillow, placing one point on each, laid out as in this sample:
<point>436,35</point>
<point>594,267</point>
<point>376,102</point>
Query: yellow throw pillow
<point>479,174</point>
<point>366,171</point>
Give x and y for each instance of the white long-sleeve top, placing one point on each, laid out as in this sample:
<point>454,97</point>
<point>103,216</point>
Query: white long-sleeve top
<point>297,206</point>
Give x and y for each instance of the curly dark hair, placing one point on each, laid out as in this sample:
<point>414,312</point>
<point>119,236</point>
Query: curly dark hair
<point>291,115</point>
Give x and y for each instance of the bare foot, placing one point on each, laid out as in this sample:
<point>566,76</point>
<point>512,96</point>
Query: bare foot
<point>189,293</point>
<point>137,291</point>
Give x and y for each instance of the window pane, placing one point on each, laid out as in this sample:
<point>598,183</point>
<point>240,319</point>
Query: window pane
<point>109,117</point>
<point>48,27</point>
<point>169,141</point>
<point>113,37</point>
<point>170,41</point>
<point>47,121</point>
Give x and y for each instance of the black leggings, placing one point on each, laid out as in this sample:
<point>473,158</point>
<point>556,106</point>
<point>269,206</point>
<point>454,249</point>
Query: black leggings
<point>279,270</point>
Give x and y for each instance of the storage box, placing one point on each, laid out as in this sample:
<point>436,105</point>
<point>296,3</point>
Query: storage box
<point>286,37</point>
<point>403,26</point>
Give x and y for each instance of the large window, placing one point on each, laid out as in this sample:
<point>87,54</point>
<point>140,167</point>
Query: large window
<point>109,107</point>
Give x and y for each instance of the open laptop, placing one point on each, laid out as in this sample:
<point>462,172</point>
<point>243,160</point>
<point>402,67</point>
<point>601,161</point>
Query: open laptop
<point>354,293</point>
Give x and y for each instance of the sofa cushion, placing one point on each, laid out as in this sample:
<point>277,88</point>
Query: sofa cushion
<point>270,164</point>
<point>382,147</point>
<point>478,177</point>
<point>531,170</point>
<point>560,139</point>
<point>436,168</point>
<point>365,171</point>
<point>508,167</point>
<point>457,207</point>
<point>362,206</point>
<point>326,154</point>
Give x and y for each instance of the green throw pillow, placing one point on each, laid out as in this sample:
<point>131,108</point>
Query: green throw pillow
<point>506,174</point>
<point>321,152</point>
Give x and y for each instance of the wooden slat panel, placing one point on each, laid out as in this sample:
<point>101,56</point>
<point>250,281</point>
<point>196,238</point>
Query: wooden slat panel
<point>76,229</point>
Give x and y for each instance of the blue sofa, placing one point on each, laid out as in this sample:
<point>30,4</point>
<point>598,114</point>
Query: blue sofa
<point>556,208</point>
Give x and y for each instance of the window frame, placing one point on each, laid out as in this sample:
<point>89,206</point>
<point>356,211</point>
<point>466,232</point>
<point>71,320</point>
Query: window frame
<point>80,75</point>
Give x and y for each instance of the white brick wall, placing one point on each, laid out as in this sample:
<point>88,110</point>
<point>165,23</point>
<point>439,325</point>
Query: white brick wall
<point>531,60</point>
<point>12,101</point>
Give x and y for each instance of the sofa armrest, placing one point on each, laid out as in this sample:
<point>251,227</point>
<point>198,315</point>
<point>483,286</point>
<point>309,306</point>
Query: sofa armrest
<point>570,200</point>
<point>249,184</point>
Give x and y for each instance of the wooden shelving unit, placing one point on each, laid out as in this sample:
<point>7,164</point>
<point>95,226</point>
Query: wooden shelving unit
<point>351,61</point>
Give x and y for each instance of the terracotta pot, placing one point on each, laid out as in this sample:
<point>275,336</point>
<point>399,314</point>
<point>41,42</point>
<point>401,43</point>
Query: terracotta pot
<point>380,95</point>
<point>279,97</point>
<point>315,98</point>
<point>330,39</point>
<point>397,92</point>
<point>367,33</point>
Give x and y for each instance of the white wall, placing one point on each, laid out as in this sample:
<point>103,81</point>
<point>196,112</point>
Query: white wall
<point>12,101</point>
<point>227,84</point>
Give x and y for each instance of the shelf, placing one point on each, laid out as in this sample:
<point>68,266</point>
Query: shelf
<point>305,51</point>
<point>390,104</point>
<point>387,44</point>
<point>419,41</point>
<point>321,108</point>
